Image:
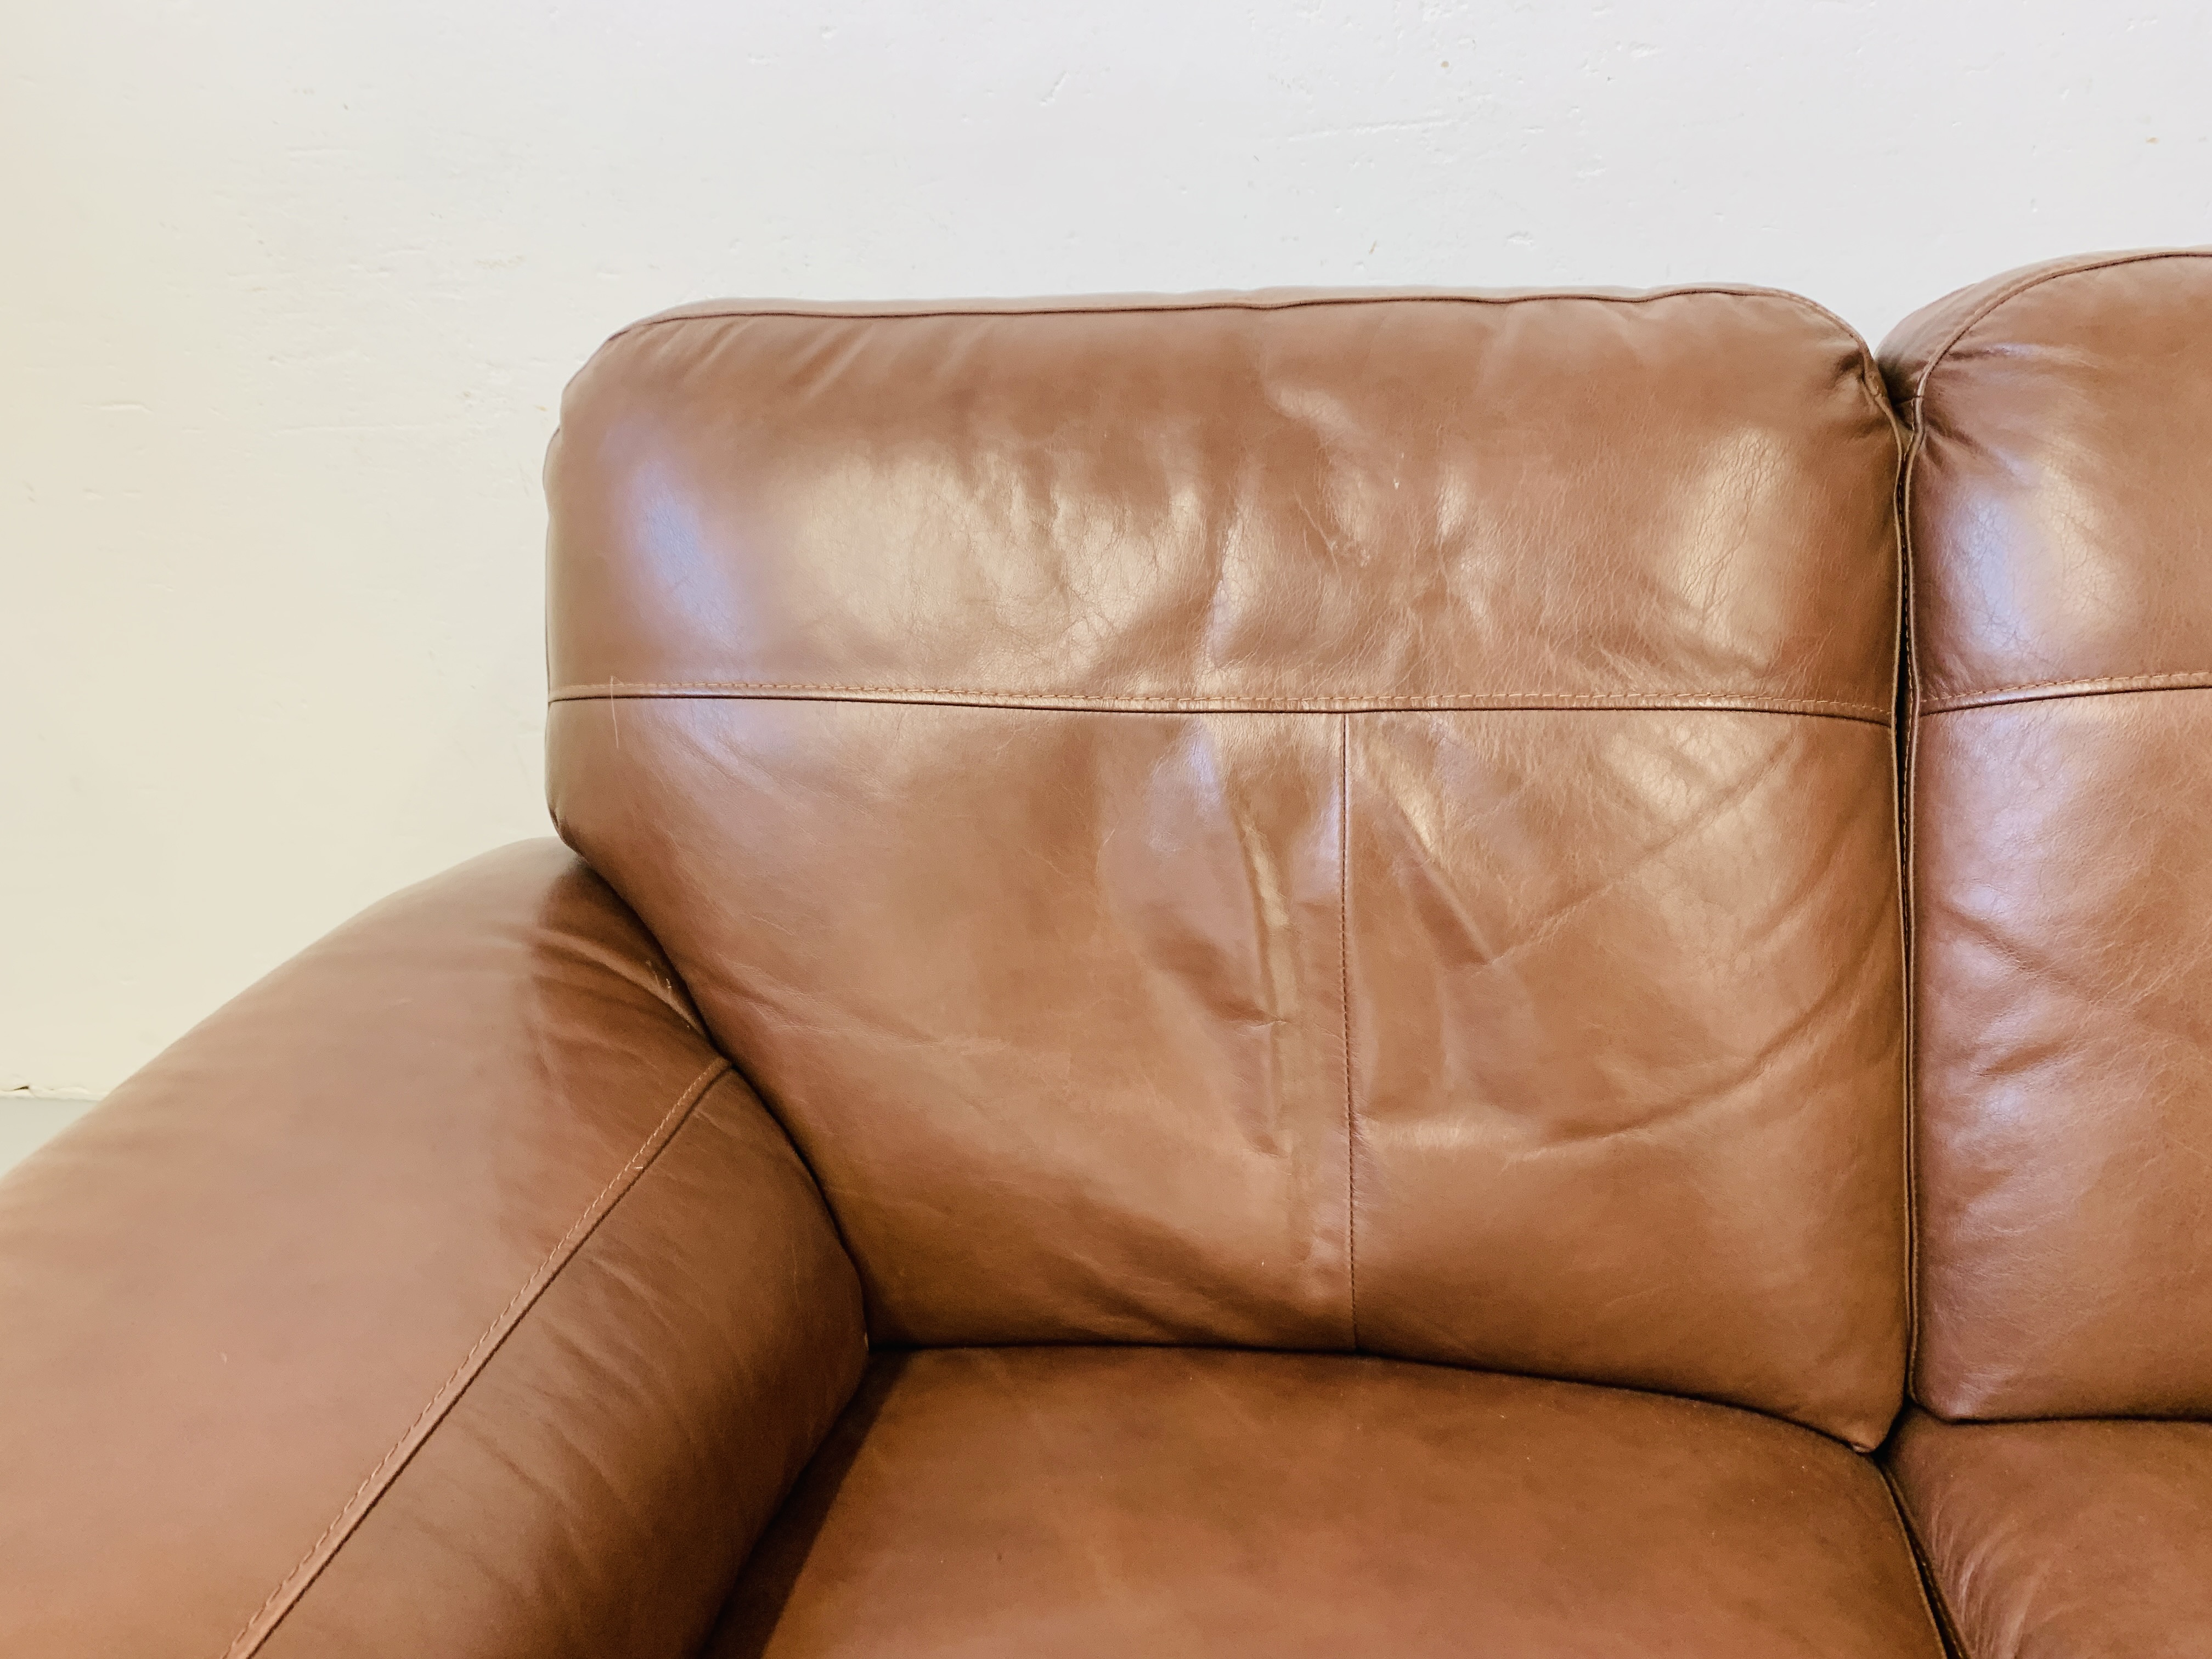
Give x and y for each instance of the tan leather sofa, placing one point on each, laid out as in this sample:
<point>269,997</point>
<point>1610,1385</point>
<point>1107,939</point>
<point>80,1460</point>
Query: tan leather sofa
<point>1233,981</point>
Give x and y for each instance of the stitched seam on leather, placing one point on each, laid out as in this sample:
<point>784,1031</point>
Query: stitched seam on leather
<point>295,1583</point>
<point>1344,976</point>
<point>2005,296</point>
<point>1907,893</point>
<point>1720,291</point>
<point>775,690</point>
<point>2051,691</point>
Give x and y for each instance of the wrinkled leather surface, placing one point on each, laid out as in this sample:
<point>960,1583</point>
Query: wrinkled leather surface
<point>2065,1541</point>
<point>1316,822</point>
<point>1621,983</point>
<point>2059,498</point>
<point>1052,1001</point>
<point>1076,1502</point>
<point>2059,508</point>
<point>240,1301</point>
<point>1299,499</point>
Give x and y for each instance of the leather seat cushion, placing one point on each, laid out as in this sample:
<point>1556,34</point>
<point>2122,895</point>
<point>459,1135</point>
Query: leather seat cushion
<point>2065,1541</point>
<point>1070,1501</point>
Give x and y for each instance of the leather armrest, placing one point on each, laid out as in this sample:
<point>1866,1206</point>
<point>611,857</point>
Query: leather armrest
<point>445,1293</point>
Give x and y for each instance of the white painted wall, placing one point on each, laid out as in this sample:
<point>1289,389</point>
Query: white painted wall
<point>288,293</point>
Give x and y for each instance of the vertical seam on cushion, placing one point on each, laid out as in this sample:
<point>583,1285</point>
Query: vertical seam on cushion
<point>1344,992</point>
<point>295,1583</point>
<point>1905,755</point>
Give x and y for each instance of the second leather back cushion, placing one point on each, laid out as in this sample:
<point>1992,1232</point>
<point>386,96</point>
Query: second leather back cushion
<point>2062,516</point>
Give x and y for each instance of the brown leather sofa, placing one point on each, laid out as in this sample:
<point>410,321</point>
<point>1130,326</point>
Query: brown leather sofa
<point>1233,982</point>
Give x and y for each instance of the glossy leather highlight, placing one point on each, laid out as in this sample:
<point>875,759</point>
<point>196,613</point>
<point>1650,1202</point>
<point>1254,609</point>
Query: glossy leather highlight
<point>1300,500</point>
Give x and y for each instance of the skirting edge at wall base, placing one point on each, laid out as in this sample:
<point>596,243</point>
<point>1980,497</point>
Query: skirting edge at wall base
<point>28,1120</point>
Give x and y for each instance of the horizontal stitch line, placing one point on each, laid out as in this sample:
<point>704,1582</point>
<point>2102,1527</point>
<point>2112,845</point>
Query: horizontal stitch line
<point>1749,703</point>
<point>2051,691</point>
<point>295,1583</point>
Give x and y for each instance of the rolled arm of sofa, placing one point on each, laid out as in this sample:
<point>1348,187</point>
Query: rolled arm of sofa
<point>444,1294</point>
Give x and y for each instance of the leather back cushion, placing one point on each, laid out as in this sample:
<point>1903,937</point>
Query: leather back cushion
<point>2061,511</point>
<point>1306,820</point>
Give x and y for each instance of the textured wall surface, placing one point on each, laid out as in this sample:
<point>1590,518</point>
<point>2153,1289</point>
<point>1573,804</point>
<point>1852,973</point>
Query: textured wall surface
<point>290,292</point>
